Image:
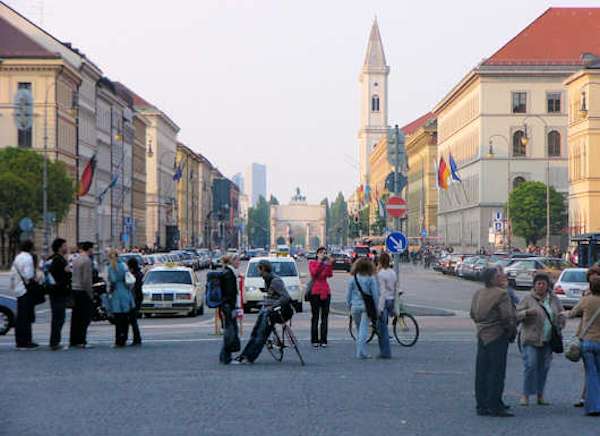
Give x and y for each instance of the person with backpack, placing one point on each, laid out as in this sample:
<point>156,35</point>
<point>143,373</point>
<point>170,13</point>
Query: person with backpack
<point>23,274</point>
<point>229,308</point>
<point>320,297</point>
<point>59,291</point>
<point>362,297</point>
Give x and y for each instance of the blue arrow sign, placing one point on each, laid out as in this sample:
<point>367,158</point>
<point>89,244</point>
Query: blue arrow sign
<point>396,242</point>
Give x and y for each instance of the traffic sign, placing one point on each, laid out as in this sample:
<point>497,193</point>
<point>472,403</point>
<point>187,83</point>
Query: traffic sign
<point>26,225</point>
<point>396,242</point>
<point>390,180</point>
<point>396,206</point>
<point>424,233</point>
<point>498,226</point>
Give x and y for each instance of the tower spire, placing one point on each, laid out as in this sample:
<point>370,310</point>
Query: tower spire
<point>375,57</point>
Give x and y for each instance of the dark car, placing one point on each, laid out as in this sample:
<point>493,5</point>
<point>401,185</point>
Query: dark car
<point>8,313</point>
<point>311,255</point>
<point>341,262</point>
<point>361,251</point>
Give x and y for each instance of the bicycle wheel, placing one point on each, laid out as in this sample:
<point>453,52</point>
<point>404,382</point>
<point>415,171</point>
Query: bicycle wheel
<point>406,329</point>
<point>292,338</point>
<point>351,329</point>
<point>275,344</point>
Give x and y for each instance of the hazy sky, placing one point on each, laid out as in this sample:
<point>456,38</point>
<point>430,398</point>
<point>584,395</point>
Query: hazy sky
<point>276,81</point>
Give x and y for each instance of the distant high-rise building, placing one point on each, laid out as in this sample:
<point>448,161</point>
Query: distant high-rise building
<point>238,179</point>
<point>255,182</point>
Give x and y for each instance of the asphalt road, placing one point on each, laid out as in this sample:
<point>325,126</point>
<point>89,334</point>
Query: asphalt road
<point>174,385</point>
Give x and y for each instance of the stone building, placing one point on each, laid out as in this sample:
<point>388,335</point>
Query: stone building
<point>188,188</point>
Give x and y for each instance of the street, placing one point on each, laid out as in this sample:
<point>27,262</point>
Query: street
<point>174,384</point>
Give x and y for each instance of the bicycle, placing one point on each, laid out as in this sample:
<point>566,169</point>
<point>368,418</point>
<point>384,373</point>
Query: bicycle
<point>406,328</point>
<point>276,342</point>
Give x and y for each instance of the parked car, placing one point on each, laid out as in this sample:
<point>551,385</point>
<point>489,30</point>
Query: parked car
<point>466,266</point>
<point>448,266</point>
<point>172,290</point>
<point>522,272</point>
<point>8,313</point>
<point>570,286</point>
<point>311,255</point>
<point>361,251</point>
<point>284,267</point>
<point>341,261</point>
<point>478,267</point>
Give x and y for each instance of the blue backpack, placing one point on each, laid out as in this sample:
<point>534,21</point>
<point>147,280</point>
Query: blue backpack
<point>213,296</point>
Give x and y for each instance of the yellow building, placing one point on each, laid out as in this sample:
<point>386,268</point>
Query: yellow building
<point>380,168</point>
<point>583,89</point>
<point>421,150</point>
<point>188,219</point>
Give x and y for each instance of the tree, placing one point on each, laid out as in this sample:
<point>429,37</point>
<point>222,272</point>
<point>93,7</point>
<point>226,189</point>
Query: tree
<point>338,221</point>
<point>21,192</point>
<point>528,211</point>
<point>259,234</point>
<point>273,201</point>
<point>325,202</point>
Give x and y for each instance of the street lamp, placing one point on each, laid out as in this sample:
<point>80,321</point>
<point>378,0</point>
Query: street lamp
<point>491,155</point>
<point>525,141</point>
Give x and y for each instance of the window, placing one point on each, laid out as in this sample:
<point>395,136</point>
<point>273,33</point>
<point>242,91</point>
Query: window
<point>375,103</point>
<point>554,144</point>
<point>518,181</point>
<point>519,149</point>
<point>519,102</point>
<point>24,135</point>
<point>553,102</point>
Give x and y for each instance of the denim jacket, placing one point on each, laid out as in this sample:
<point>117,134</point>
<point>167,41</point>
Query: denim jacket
<point>369,286</point>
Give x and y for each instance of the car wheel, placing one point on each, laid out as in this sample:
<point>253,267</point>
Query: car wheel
<point>6,320</point>
<point>298,306</point>
<point>194,312</point>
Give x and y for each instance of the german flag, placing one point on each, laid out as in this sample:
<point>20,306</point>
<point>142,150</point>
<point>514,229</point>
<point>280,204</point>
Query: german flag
<point>87,177</point>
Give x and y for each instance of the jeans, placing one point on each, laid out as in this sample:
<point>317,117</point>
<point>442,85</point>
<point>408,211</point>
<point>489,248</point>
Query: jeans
<point>319,307</point>
<point>536,361</point>
<point>490,372</point>
<point>591,358</point>
<point>135,328</point>
<point>261,331</point>
<point>81,317</point>
<point>385,351</point>
<point>25,317</point>
<point>230,333</point>
<point>361,321</point>
<point>121,328</point>
<point>58,305</point>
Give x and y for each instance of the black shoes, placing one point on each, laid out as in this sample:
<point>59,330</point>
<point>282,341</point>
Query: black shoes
<point>28,347</point>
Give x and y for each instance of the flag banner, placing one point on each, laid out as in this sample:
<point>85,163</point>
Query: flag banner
<point>454,169</point>
<point>87,177</point>
<point>437,177</point>
<point>443,174</point>
<point>111,185</point>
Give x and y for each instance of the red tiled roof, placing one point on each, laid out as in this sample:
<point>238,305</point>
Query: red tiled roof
<point>412,127</point>
<point>16,44</point>
<point>558,37</point>
<point>137,100</point>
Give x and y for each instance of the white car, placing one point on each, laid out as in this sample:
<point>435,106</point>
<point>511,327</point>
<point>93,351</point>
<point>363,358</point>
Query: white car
<point>284,267</point>
<point>172,290</point>
<point>570,286</point>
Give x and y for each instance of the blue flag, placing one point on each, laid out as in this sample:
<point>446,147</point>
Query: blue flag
<point>454,169</point>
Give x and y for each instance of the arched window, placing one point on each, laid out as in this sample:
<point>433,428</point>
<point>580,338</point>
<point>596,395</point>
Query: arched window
<point>375,103</point>
<point>518,181</point>
<point>519,149</point>
<point>554,144</point>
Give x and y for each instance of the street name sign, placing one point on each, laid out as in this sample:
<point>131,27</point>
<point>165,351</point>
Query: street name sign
<point>396,207</point>
<point>396,242</point>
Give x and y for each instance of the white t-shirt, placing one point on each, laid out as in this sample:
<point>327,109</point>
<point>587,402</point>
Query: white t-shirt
<point>386,278</point>
<point>23,265</point>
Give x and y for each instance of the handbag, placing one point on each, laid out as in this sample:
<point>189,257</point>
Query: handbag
<point>573,351</point>
<point>129,279</point>
<point>556,340</point>
<point>34,289</point>
<point>369,301</point>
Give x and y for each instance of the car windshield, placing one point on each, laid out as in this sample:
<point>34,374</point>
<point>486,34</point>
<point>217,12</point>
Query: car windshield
<point>282,269</point>
<point>171,277</point>
<point>361,250</point>
<point>574,276</point>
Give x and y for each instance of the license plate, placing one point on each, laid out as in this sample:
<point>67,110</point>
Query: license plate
<point>162,304</point>
<point>576,292</point>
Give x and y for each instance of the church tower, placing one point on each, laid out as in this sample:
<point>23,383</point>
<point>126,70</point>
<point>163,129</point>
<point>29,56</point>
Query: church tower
<point>374,100</point>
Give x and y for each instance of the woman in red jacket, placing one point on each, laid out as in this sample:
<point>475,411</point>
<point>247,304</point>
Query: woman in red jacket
<point>320,296</point>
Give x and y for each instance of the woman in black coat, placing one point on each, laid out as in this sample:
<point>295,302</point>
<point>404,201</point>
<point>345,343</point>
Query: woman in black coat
<point>229,307</point>
<point>138,296</point>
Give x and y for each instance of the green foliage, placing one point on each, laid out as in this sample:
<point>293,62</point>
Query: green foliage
<point>528,211</point>
<point>337,228</point>
<point>259,223</point>
<point>21,172</point>
<point>273,201</point>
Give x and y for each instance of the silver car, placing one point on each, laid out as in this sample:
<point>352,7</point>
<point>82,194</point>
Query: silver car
<point>570,286</point>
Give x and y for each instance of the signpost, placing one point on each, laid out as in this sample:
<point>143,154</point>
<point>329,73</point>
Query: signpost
<point>396,242</point>
<point>396,206</point>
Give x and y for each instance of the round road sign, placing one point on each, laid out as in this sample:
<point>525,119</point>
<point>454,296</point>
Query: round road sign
<point>396,206</point>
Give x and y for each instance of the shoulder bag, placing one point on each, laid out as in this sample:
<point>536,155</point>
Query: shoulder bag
<point>573,352</point>
<point>34,289</point>
<point>370,305</point>
<point>556,340</point>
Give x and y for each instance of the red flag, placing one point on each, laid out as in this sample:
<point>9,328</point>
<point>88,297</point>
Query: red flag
<point>87,177</point>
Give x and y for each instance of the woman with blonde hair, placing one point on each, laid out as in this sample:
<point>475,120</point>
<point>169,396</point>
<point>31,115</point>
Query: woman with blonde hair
<point>121,298</point>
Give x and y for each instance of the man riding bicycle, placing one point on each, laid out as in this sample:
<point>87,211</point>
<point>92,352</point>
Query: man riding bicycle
<point>277,309</point>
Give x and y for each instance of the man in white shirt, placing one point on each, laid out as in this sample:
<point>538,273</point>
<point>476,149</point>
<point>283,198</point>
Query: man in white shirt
<point>22,272</point>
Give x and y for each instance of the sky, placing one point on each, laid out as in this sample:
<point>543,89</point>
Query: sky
<point>276,81</point>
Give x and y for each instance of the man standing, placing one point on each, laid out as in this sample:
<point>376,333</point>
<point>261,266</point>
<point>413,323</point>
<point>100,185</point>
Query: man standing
<point>229,290</point>
<point>22,273</point>
<point>83,308</point>
<point>58,267</point>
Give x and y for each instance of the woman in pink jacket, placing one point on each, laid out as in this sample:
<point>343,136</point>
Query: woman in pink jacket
<point>320,296</point>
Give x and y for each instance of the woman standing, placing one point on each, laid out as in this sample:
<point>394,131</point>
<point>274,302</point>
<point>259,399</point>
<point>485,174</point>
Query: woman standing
<point>539,313</point>
<point>138,297</point>
<point>320,297</point>
<point>361,282</point>
<point>228,308</point>
<point>121,298</point>
<point>386,279</point>
<point>589,307</point>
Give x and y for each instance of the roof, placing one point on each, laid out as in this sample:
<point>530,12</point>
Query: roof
<point>375,57</point>
<point>137,100</point>
<point>16,44</point>
<point>415,125</point>
<point>560,36</point>
<point>170,268</point>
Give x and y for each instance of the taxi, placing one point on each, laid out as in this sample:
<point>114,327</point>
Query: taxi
<point>172,290</point>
